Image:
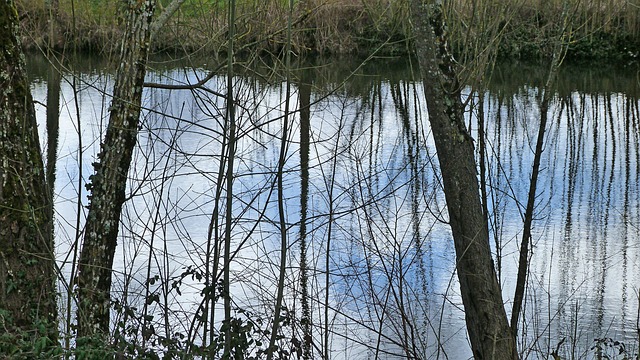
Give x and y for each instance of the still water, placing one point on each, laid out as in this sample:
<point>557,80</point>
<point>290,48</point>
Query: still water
<point>363,198</point>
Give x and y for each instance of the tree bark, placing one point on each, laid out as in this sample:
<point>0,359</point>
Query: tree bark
<point>27,265</point>
<point>163,19</point>
<point>485,316</point>
<point>284,243</point>
<point>53,121</point>
<point>109,180</point>
<point>525,243</point>
<point>304,94</point>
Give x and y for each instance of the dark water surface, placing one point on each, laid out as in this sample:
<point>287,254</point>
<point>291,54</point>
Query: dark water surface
<point>363,198</point>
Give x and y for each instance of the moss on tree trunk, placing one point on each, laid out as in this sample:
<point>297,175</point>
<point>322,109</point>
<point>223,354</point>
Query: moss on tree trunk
<point>486,319</point>
<point>27,276</point>
<point>108,183</point>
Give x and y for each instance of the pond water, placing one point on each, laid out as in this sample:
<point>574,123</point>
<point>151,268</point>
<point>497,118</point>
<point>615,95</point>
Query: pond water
<point>363,197</point>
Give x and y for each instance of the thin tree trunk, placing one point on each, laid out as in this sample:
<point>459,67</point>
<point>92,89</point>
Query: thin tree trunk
<point>53,121</point>
<point>70,301</point>
<point>305,25</point>
<point>230,128</point>
<point>54,40</point>
<point>525,247</point>
<point>53,104</point>
<point>304,93</point>
<point>109,181</point>
<point>559,51</point>
<point>165,16</point>
<point>485,316</point>
<point>282,220</point>
<point>27,265</point>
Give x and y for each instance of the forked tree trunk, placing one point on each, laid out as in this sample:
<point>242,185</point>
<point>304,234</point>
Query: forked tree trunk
<point>27,268</point>
<point>109,181</point>
<point>485,316</point>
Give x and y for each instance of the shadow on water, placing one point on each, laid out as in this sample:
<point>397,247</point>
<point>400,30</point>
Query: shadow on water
<point>374,274</point>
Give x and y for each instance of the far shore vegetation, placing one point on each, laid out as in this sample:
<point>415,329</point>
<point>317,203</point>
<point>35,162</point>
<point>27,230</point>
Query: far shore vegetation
<point>600,29</point>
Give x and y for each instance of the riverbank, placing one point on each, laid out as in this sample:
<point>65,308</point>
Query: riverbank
<point>597,30</point>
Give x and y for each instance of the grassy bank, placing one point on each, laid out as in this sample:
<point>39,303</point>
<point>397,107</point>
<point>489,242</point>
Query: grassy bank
<point>599,29</point>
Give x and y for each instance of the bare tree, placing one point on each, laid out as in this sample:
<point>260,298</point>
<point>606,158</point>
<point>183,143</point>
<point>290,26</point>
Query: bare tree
<point>27,267</point>
<point>304,106</point>
<point>487,324</point>
<point>230,129</point>
<point>109,181</point>
<point>284,145</point>
<point>559,52</point>
<point>165,16</point>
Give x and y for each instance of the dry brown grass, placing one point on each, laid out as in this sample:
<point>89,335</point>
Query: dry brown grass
<point>89,25</point>
<point>330,26</point>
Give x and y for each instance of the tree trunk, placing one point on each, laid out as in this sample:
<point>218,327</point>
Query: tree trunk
<point>109,181</point>
<point>27,267</point>
<point>525,243</point>
<point>305,26</point>
<point>304,94</point>
<point>53,123</point>
<point>163,19</point>
<point>284,243</point>
<point>486,319</point>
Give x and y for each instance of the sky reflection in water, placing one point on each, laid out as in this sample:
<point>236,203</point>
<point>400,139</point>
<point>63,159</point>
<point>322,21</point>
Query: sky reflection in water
<point>372,166</point>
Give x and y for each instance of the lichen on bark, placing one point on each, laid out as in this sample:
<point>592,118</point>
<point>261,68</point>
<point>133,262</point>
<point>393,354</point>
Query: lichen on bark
<point>108,184</point>
<point>489,331</point>
<point>27,268</point>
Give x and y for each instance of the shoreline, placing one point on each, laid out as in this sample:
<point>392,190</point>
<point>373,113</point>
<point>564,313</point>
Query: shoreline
<point>348,28</point>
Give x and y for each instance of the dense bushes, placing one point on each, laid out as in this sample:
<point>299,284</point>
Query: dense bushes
<point>610,31</point>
